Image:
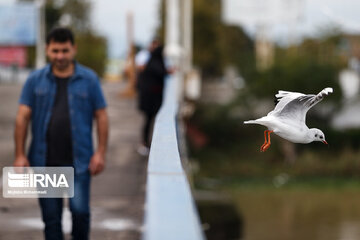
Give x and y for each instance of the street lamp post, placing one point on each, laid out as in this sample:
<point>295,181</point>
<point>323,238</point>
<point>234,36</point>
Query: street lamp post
<point>187,34</point>
<point>40,38</point>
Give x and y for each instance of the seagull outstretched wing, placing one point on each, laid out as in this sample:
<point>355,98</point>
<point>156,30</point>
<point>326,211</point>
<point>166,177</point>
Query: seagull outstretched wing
<point>294,106</point>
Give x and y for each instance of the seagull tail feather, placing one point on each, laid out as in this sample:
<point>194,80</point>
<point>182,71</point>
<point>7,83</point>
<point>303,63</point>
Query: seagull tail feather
<point>251,122</point>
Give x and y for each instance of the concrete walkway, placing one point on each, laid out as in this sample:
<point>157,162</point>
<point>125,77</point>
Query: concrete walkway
<point>117,194</point>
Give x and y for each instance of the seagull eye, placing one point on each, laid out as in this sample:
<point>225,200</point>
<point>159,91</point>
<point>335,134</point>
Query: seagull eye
<point>321,137</point>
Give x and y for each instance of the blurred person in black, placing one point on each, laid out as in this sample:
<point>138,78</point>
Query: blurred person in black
<point>150,85</point>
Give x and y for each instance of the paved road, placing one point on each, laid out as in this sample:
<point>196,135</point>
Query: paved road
<point>117,194</point>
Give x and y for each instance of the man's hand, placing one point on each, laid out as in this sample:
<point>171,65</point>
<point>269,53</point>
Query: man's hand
<point>21,124</point>
<point>97,163</point>
<point>21,161</point>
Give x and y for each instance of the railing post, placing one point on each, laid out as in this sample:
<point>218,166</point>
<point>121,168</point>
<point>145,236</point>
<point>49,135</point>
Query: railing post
<point>172,32</point>
<point>40,38</point>
<point>173,49</point>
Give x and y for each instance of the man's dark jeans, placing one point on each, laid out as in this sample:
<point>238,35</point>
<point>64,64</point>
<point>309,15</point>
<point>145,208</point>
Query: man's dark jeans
<point>52,208</point>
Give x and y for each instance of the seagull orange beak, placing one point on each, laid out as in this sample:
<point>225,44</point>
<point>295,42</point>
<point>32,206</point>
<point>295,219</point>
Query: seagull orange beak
<point>325,142</point>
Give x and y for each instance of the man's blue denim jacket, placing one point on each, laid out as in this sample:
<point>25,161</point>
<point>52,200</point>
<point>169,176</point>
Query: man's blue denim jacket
<point>84,98</point>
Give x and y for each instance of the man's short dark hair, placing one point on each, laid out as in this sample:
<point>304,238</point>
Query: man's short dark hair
<point>60,34</point>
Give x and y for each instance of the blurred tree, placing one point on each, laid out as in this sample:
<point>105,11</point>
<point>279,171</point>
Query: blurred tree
<point>308,67</point>
<point>161,28</point>
<point>207,48</point>
<point>216,45</point>
<point>92,48</point>
<point>67,12</point>
<point>52,14</point>
<point>92,51</point>
<point>237,49</point>
<point>78,14</point>
<point>324,48</point>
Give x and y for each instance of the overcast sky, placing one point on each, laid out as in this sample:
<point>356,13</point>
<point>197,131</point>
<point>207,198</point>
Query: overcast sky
<point>109,19</point>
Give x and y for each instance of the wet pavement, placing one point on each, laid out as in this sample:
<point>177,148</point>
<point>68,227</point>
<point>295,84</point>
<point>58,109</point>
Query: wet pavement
<point>117,197</point>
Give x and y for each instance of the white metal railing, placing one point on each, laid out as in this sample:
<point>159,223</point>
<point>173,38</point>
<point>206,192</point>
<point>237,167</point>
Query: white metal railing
<point>170,212</point>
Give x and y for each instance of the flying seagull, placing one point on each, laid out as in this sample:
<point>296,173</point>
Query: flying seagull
<point>287,120</point>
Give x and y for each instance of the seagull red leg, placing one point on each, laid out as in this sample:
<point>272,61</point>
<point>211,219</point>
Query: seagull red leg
<point>262,147</point>
<point>268,143</point>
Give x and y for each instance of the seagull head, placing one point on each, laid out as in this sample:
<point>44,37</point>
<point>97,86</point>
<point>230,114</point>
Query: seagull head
<point>318,135</point>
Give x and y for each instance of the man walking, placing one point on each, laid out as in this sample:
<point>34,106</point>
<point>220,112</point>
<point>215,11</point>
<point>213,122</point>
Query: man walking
<point>61,100</point>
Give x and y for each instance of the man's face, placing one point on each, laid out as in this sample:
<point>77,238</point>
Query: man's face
<point>61,54</point>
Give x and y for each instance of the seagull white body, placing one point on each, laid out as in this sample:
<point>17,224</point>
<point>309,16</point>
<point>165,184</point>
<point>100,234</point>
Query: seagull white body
<point>288,118</point>
<point>286,130</point>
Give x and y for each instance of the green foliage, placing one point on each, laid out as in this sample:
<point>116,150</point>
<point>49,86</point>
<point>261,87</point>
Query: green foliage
<point>207,52</point>
<point>307,68</point>
<point>220,129</point>
<point>92,51</point>
<point>299,74</point>
<point>52,15</point>
<point>237,49</point>
<point>31,56</point>
<point>216,45</point>
<point>233,150</point>
<point>92,48</point>
<point>79,10</point>
<point>160,31</point>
